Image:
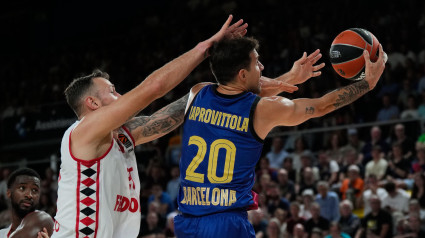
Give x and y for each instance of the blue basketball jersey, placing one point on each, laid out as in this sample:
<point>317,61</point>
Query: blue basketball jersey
<point>219,152</point>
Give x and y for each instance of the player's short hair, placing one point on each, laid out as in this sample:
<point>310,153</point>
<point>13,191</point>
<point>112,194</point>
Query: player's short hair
<point>228,56</point>
<point>19,172</point>
<point>78,87</point>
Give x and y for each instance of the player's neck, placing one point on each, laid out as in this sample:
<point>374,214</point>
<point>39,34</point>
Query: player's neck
<point>16,221</point>
<point>230,89</point>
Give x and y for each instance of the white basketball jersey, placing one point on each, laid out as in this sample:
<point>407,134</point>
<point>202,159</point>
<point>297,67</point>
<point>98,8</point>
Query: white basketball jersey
<point>4,233</point>
<point>98,198</point>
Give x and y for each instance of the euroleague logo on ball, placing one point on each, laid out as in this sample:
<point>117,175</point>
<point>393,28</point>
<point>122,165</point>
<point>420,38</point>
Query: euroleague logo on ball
<point>335,54</point>
<point>346,52</point>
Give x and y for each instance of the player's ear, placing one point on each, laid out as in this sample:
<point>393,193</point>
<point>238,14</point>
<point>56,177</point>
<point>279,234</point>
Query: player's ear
<point>92,102</point>
<point>8,193</point>
<point>242,74</point>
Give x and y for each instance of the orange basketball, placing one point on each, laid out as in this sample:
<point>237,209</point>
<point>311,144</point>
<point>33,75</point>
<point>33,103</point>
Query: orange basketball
<point>346,53</point>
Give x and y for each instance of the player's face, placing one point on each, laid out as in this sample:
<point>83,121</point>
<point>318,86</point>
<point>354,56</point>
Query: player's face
<point>24,194</point>
<point>254,73</point>
<point>105,91</point>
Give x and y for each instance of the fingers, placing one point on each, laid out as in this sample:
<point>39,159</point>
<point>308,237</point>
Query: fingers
<point>366,57</point>
<point>303,58</point>
<point>318,67</point>
<point>227,23</point>
<point>235,25</point>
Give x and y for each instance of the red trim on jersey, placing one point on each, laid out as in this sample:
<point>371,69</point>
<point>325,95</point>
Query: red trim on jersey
<point>129,134</point>
<point>8,234</point>
<point>91,162</point>
<point>78,194</point>
<point>97,199</point>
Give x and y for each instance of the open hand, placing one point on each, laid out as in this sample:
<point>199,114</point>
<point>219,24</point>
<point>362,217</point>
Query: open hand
<point>227,31</point>
<point>43,234</point>
<point>305,68</point>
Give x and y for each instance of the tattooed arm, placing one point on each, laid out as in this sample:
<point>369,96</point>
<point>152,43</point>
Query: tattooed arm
<point>279,111</point>
<point>148,128</point>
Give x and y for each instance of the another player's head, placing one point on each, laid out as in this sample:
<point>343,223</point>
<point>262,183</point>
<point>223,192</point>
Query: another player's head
<point>23,189</point>
<point>235,61</point>
<point>88,93</point>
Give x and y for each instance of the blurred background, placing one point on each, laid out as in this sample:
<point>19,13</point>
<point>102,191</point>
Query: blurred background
<point>45,44</point>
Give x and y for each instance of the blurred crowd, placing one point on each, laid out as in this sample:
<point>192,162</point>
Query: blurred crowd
<point>316,185</point>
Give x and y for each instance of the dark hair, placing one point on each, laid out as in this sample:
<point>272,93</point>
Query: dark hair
<point>228,56</point>
<point>78,87</point>
<point>19,172</point>
<point>390,187</point>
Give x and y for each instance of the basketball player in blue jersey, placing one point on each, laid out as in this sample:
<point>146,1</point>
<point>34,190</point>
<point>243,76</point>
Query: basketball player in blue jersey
<point>224,128</point>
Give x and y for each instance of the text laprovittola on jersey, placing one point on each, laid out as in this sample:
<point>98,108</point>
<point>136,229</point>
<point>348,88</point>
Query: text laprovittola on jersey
<point>218,118</point>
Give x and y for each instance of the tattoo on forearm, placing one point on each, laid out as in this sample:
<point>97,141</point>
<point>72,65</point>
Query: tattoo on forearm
<point>309,110</point>
<point>351,93</point>
<point>163,121</point>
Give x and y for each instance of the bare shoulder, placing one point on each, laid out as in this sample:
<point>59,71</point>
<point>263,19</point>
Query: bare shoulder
<point>195,89</point>
<point>32,224</point>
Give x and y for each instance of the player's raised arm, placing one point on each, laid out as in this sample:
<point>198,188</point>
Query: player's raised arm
<point>103,116</point>
<point>302,69</point>
<point>279,111</point>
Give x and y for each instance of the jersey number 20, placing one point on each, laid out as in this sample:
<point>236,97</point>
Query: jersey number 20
<point>215,147</point>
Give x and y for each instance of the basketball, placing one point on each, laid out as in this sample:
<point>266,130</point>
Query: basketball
<point>346,52</point>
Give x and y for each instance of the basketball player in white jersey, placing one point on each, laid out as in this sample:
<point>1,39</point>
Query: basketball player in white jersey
<point>23,190</point>
<point>98,194</point>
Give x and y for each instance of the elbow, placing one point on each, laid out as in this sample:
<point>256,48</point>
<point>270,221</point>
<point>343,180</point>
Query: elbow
<point>157,88</point>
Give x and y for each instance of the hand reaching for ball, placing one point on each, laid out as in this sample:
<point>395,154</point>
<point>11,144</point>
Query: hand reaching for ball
<point>374,70</point>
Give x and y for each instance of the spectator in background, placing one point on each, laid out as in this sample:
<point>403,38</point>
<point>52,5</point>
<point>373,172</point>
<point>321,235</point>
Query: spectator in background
<point>406,92</point>
<point>378,165</point>
<point>411,227</point>
<point>300,148</point>
<point>308,181</point>
<point>328,201</point>
<point>398,166</point>
<point>415,208</point>
<point>256,217</point>
<point>299,231</point>
<point>264,168</point>
<point>277,154</point>
<point>328,168</point>
<point>3,188</point>
<point>282,216</point>
<point>354,142</point>
<point>421,107</point>
<point>397,200</point>
<point>335,231</point>
<point>307,160</point>
<point>273,228</point>
<point>288,165</point>
<point>295,219</point>
<point>375,139</point>
<point>377,222</point>
<point>161,197</point>
<point>150,226</point>
<point>155,174</point>
<point>174,183</point>
<point>316,220</point>
<point>372,189</point>
<point>388,111</point>
<point>352,187</point>
<point>333,147</point>
<point>286,186</point>
<point>349,223</point>
<point>407,143</point>
<point>418,191</point>
<point>274,198</point>
<point>418,164</point>
<point>307,201</point>
<point>351,157</point>
<point>411,109</point>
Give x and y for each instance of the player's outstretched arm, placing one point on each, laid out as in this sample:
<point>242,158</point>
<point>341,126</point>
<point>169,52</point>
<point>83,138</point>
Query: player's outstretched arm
<point>302,69</point>
<point>32,224</point>
<point>165,120</point>
<point>279,111</point>
<point>97,125</point>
